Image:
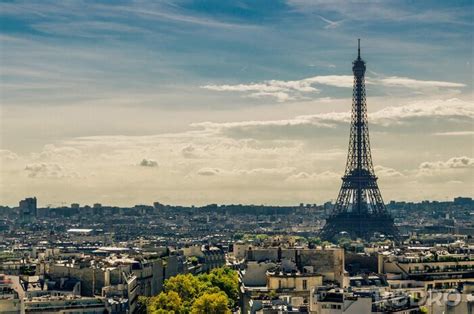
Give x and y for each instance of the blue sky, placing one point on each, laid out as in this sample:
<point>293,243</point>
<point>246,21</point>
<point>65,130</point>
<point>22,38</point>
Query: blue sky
<point>163,42</point>
<point>101,69</point>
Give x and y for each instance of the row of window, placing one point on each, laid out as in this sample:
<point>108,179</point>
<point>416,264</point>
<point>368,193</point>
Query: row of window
<point>305,284</point>
<point>331,306</point>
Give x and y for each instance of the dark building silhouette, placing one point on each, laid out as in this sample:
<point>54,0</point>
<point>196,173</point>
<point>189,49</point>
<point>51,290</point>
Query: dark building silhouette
<point>463,200</point>
<point>359,210</point>
<point>28,209</point>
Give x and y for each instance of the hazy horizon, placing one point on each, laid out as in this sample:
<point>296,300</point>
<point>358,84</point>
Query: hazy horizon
<point>247,102</point>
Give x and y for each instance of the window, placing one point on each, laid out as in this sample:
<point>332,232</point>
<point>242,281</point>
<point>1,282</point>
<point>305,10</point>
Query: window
<point>305,284</point>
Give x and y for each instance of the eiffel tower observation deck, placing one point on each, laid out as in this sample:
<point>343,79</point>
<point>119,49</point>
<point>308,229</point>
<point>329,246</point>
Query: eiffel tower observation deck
<point>359,211</point>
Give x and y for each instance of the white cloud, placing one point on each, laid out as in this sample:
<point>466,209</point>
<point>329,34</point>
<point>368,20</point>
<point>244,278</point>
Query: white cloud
<point>48,171</point>
<point>260,172</point>
<point>331,24</point>
<point>285,90</point>
<point>322,176</point>
<point>455,133</point>
<point>266,171</point>
<point>442,174</point>
<point>189,151</point>
<point>452,163</point>
<point>148,163</point>
<point>63,153</point>
<point>160,12</point>
<point>415,84</point>
<point>291,90</point>
<point>7,155</point>
<point>453,112</point>
<point>208,171</point>
<point>332,80</point>
<point>382,171</point>
<point>451,108</point>
<point>274,88</point>
<point>378,11</point>
<point>88,29</point>
<point>279,96</point>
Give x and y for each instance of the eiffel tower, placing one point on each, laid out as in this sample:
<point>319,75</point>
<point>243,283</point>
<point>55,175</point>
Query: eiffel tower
<point>359,210</point>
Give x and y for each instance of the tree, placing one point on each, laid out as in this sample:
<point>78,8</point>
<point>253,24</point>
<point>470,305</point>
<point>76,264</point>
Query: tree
<point>211,303</point>
<point>188,287</point>
<point>326,243</point>
<point>261,237</point>
<point>238,236</point>
<point>344,242</point>
<point>314,241</point>
<point>181,293</point>
<point>165,302</point>
<point>226,280</point>
<point>142,304</point>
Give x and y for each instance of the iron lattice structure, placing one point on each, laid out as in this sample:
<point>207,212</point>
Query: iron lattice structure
<point>359,209</point>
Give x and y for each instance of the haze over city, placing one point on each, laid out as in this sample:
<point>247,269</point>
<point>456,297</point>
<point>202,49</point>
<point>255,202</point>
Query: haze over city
<point>230,101</point>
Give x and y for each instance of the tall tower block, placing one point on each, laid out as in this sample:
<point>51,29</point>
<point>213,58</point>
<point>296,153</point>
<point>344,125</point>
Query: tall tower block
<point>359,209</point>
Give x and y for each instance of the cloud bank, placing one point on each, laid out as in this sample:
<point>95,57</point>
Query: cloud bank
<point>299,89</point>
<point>288,161</point>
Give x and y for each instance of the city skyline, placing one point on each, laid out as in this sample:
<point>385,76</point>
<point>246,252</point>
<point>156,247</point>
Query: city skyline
<point>231,103</point>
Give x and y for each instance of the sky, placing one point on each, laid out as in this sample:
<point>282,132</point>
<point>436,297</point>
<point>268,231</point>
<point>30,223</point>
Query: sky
<point>197,102</point>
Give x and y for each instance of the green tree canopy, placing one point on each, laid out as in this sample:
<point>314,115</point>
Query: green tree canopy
<point>211,303</point>
<point>187,286</point>
<point>165,302</point>
<point>226,280</point>
<point>216,291</point>
<point>315,240</point>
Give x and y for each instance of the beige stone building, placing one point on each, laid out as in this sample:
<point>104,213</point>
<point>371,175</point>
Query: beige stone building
<point>426,273</point>
<point>293,282</point>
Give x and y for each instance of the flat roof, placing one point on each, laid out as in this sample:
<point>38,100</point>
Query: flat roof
<point>77,230</point>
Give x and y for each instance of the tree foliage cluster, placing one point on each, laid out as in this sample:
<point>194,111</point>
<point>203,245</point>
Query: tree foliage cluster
<point>215,293</point>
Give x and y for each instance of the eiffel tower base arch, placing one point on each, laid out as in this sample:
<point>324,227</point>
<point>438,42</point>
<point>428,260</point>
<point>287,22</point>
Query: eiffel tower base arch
<point>359,226</point>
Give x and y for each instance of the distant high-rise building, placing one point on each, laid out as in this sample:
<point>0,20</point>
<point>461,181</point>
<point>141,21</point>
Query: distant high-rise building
<point>359,211</point>
<point>28,209</point>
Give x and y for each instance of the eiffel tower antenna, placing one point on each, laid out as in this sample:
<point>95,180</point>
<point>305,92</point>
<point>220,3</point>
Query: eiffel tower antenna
<point>359,210</point>
<point>358,48</point>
